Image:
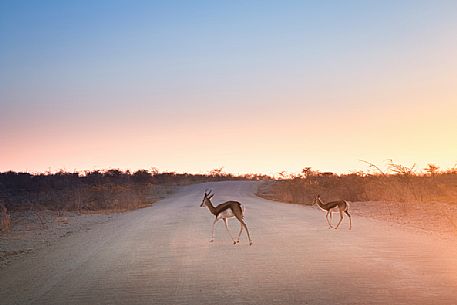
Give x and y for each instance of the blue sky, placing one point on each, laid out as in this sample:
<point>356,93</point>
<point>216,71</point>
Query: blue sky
<point>135,84</point>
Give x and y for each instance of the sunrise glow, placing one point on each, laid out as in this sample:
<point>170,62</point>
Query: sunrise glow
<point>257,86</point>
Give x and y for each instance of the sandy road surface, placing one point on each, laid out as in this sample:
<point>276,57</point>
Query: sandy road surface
<point>161,255</point>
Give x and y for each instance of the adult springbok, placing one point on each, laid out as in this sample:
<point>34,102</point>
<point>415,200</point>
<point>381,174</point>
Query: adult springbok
<point>224,211</point>
<point>334,207</point>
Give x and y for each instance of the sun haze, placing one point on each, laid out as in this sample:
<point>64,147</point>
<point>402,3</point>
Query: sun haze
<point>253,86</point>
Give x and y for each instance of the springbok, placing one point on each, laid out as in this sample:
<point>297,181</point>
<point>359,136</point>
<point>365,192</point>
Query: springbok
<point>334,207</point>
<point>224,211</point>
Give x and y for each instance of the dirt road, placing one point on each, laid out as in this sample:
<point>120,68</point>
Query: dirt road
<point>161,255</point>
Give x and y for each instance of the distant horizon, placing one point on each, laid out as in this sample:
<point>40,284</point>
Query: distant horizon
<point>251,86</point>
<point>368,169</point>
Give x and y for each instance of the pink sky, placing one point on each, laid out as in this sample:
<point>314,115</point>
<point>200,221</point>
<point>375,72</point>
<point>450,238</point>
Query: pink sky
<point>251,88</point>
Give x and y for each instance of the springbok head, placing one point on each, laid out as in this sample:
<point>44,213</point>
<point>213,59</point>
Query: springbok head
<point>317,199</point>
<point>207,198</point>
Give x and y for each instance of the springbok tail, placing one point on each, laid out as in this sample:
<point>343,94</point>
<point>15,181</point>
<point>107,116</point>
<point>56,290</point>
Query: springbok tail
<point>243,208</point>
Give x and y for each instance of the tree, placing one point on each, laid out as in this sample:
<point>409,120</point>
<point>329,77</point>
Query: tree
<point>432,169</point>
<point>401,169</point>
<point>217,172</point>
<point>307,172</point>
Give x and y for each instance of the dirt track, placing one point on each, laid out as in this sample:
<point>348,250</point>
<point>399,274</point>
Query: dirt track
<point>161,255</point>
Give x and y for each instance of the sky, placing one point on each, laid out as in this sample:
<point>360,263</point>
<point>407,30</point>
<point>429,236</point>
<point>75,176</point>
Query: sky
<point>250,86</point>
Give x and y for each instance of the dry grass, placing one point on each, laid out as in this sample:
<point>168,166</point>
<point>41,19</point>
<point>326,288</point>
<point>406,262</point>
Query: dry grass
<point>432,217</point>
<point>419,201</point>
<point>398,188</point>
<point>93,191</point>
<point>5,225</point>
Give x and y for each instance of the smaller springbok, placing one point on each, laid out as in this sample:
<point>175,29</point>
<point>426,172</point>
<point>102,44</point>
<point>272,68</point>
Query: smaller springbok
<point>339,206</point>
<point>224,211</point>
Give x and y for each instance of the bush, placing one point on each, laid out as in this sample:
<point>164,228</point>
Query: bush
<point>96,190</point>
<point>439,187</point>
